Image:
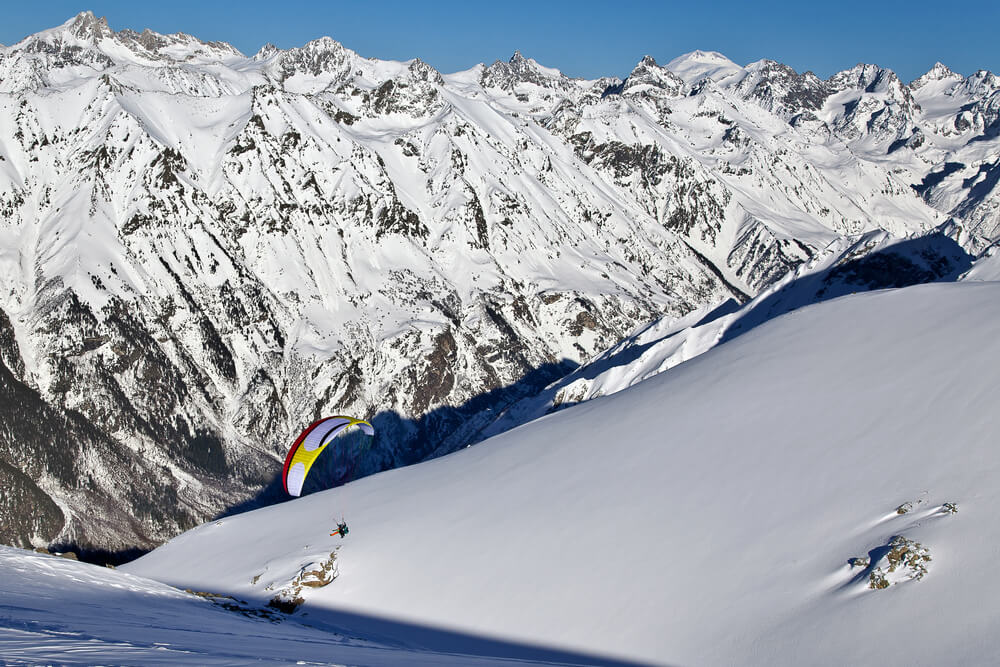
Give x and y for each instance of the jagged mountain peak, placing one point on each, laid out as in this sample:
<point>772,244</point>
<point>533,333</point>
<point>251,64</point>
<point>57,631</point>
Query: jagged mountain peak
<point>269,50</point>
<point>647,65</point>
<point>518,69</point>
<point>324,43</point>
<point>768,65</point>
<point>647,76</point>
<point>781,89</point>
<point>529,67</point>
<point>421,71</point>
<point>88,39</point>
<point>882,83</point>
<point>983,83</point>
<point>321,49</point>
<point>323,57</point>
<point>774,70</point>
<point>939,72</point>
<point>86,25</point>
<point>177,46</point>
<point>84,29</point>
<point>867,76</point>
<point>871,103</point>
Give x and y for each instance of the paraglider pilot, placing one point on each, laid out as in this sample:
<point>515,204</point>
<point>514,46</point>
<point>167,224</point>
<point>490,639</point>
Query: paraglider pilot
<point>341,530</point>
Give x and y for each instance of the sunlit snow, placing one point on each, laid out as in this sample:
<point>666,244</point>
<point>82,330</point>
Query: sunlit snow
<point>705,516</point>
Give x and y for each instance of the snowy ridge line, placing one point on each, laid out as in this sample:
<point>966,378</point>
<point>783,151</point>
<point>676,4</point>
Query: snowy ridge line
<point>664,344</point>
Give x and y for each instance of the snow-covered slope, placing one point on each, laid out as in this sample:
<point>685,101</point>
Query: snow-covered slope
<point>56,611</point>
<point>818,490</point>
<point>201,251</point>
<point>865,262</point>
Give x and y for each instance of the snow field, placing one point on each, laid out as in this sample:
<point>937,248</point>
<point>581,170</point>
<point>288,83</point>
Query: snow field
<point>705,516</point>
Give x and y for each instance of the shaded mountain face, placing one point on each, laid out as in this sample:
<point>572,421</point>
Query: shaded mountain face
<point>203,252</point>
<point>871,261</point>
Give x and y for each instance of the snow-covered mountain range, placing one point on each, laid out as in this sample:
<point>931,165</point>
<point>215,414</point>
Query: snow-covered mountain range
<point>201,251</point>
<point>818,490</point>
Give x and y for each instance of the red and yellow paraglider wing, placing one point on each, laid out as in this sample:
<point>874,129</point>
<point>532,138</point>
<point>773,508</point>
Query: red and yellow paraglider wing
<point>310,444</point>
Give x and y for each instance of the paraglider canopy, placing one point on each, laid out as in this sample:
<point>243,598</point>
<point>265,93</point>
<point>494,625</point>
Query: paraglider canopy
<point>310,443</point>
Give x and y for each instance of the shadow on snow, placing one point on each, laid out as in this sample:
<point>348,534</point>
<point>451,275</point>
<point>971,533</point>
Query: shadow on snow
<point>927,259</point>
<point>428,638</point>
<point>401,441</point>
<point>931,258</point>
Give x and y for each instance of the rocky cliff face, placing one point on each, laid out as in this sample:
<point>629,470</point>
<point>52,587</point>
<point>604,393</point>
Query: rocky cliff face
<point>202,252</point>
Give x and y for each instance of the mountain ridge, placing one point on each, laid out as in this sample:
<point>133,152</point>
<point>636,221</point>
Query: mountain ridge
<point>205,250</point>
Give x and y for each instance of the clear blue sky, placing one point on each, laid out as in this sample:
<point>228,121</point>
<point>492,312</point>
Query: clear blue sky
<point>585,38</point>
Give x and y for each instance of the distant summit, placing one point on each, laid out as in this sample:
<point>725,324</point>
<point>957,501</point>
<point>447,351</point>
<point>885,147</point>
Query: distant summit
<point>697,65</point>
<point>86,33</point>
